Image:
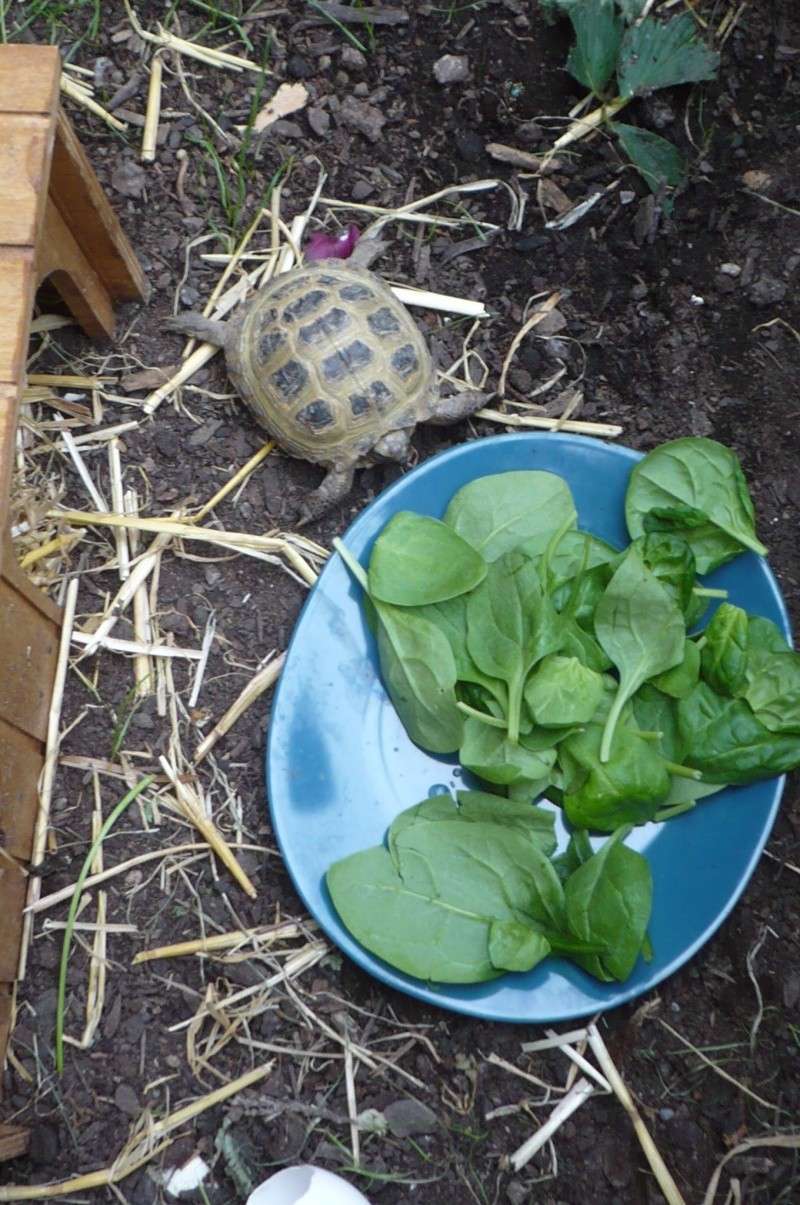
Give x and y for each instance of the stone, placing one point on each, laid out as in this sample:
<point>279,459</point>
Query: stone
<point>363,118</point>
<point>129,179</point>
<point>352,59</point>
<point>127,1101</point>
<point>298,68</point>
<point>766,290</point>
<point>451,69</point>
<point>319,120</point>
<point>408,1117</point>
<point>730,269</point>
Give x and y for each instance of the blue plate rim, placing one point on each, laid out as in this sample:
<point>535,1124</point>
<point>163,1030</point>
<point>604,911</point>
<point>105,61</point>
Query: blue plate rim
<point>425,992</point>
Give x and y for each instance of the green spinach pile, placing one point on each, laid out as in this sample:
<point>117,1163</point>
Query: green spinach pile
<point>551,662</point>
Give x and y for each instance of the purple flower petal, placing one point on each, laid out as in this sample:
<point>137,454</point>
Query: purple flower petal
<point>332,246</point>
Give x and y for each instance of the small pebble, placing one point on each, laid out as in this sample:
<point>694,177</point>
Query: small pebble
<point>730,269</point>
<point>451,69</point>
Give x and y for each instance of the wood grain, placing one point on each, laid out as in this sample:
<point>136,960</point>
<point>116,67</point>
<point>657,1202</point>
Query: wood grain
<point>29,650</point>
<point>61,259</point>
<point>25,147</point>
<point>16,303</point>
<point>85,208</point>
<point>29,79</point>
<point>20,766</point>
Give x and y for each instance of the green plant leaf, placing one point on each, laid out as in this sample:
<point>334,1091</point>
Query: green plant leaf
<point>656,54</point>
<point>706,477</point>
<point>598,33</point>
<point>683,677</point>
<point>489,753</point>
<point>562,692</point>
<point>625,789</point>
<point>657,712</point>
<point>670,559</point>
<point>419,672</point>
<point>478,807</point>
<point>723,738</point>
<point>773,690</point>
<point>725,651</point>
<point>499,512</point>
<point>418,560</point>
<point>516,947</point>
<point>609,900</point>
<point>403,925</point>
<point>641,629</point>
<point>657,160</point>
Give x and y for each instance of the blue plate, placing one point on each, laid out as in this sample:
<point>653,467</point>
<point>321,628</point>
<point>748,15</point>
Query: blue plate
<point>340,766</point>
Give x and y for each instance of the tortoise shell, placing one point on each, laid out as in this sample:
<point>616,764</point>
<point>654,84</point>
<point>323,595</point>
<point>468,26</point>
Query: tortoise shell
<point>330,361</point>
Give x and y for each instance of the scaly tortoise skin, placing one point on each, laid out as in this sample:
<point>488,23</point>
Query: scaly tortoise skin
<point>334,367</point>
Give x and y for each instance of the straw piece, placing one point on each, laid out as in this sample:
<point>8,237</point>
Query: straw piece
<point>602,430</point>
<point>659,1167</point>
<point>536,317</point>
<point>579,1061</point>
<point>789,1142</point>
<point>238,477</point>
<point>578,1094</point>
<point>128,588</point>
<point>73,90</point>
<point>189,805</point>
<point>262,680</point>
<point>144,649</point>
<point>221,941</point>
<point>67,381</point>
<point>118,502</point>
<point>83,472</point>
<point>48,772</point>
<point>150,135</point>
<point>141,1146</point>
<point>440,301</point>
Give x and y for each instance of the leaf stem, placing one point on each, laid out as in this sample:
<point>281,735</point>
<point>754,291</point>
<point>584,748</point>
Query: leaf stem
<point>484,716</point>
<point>620,700</point>
<point>709,592</point>
<point>684,771</point>
<point>514,706</point>
<point>108,824</point>
<point>677,809</point>
<point>357,570</point>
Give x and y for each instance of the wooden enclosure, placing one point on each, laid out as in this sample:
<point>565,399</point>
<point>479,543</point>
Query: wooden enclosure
<point>56,224</point>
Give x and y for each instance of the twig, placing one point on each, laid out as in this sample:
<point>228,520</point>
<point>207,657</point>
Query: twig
<point>153,112</point>
<point>602,430</point>
<point>578,1094</point>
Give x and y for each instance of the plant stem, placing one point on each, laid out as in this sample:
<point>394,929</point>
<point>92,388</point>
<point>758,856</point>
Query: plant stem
<point>684,771</point>
<point>514,706</point>
<point>124,803</point>
<point>708,592</point>
<point>357,570</point>
<point>611,724</point>
<point>677,809</point>
<point>484,716</point>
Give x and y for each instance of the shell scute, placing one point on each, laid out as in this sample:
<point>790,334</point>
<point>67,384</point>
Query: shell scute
<point>330,361</point>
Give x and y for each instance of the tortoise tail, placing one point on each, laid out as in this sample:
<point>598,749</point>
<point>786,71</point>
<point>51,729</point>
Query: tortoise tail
<point>200,327</point>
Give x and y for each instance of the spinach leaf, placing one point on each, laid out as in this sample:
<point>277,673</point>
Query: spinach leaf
<point>478,807</point>
<point>657,712</point>
<point>626,789</point>
<point>577,642</point>
<point>419,672</point>
<point>577,551</point>
<point>579,850</point>
<point>764,635</point>
<point>450,617</point>
<point>724,655</point>
<point>488,752</point>
<point>773,690</point>
<point>516,947</point>
<point>608,900</point>
<point>511,624</point>
<point>481,866</point>
<point>670,559</point>
<point>418,560</point>
<point>561,692</point>
<point>405,926</point>
<point>497,513</point>
<point>640,628</point>
<point>705,477</point>
<point>684,676</point>
<point>723,738</point>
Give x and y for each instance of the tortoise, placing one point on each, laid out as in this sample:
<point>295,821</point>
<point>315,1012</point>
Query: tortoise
<point>335,368</point>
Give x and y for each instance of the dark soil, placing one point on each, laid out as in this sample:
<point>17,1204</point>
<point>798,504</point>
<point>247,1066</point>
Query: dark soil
<point>675,344</point>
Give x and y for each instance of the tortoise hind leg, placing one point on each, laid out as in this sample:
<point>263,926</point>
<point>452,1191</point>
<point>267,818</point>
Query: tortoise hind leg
<point>338,482</point>
<point>198,326</point>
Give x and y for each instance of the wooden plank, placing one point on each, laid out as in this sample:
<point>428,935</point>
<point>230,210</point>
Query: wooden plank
<point>25,147</point>
<point>16,304</point>
<point>8,426</point>
<point>29,79</point>
<point>17,578</point>
<point>14,1141</point>
<point>29,645</point>
<point>61,259</point>
<point>13,894</point>
<point>85,208</point>
<point>21,761</point>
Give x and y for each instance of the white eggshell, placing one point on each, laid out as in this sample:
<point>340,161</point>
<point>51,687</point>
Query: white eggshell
<point>306,1186</point>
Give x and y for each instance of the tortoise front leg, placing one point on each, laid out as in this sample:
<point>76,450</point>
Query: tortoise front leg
<point>338,482</point>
